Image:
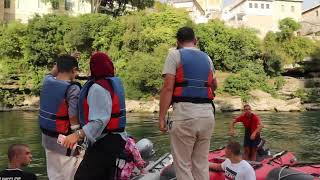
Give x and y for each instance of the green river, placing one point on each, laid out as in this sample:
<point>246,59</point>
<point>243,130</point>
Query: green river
<point>298,132</point>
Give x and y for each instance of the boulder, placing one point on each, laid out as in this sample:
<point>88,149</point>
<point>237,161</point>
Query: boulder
<point>291,86</point>
<point>262,101</point>
<point>31,101</point>
<point>228,103</point>
<point>312,106</point>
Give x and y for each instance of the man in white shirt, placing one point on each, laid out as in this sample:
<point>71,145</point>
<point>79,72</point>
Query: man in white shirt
<point>234,166</point>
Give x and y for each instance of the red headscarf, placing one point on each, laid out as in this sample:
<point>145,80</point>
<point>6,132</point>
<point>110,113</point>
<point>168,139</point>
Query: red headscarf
<point>101,65</point>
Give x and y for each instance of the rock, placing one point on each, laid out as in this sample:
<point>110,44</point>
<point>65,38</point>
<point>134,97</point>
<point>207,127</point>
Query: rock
<point>142,106</point>
<point>291,105</point>
<point>31,101</point>
<point>150,106</point>
<point>291,86</point>
<point>262,101</point>
<point>228,103</point>
<point>312,106</point>
<point>132,105</point>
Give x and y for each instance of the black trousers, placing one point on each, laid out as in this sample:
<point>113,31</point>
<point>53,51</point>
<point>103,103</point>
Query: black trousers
<point>99,162</point>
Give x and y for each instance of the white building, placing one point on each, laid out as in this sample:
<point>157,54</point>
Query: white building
<point>263,15</point>
<point>200,10</point>
<point>25,9</point>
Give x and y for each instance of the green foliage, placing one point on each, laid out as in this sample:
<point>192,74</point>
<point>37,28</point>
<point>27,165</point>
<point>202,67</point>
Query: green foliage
<point>138,43</point>
<point>12,38</point>
<point>230,49</point>
<point>246,80</point>
<point>45,39</point>
<point>287,28</point>
<point>284,47</point>
<point>279,82</point>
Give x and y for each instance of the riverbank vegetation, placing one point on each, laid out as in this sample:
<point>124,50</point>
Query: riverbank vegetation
<point>138,44</point>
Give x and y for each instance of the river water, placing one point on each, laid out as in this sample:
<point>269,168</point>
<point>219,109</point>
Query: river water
<point>298,132</point>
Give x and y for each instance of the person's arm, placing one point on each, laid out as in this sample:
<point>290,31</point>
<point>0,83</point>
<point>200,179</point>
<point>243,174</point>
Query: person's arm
<point>231,125</point>
<point>165,99</point>
<point>100,106</point>
<point>169,72</point>
<point>216,166</point>
<point>72,99</point>
<point>214,85</point>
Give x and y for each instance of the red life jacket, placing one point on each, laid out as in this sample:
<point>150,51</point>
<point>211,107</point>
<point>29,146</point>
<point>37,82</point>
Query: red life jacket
<point>114,86</point>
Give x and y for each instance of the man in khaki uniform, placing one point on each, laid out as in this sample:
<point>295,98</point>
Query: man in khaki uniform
<point>188,85</point>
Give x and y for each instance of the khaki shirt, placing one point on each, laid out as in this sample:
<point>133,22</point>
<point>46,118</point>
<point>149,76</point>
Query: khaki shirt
<point>185,110</point>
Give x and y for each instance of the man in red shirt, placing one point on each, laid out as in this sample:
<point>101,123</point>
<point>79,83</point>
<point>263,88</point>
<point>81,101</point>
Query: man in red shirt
<point>253,126</point>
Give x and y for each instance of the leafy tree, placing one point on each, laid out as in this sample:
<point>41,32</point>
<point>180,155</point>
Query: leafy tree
<point>12,37</point>
<point>45,37</point>
<point>230,49</point>
<point>287,27</point>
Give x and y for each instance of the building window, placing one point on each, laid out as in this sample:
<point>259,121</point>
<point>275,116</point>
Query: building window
<point>292,8</point>
<point>267,6</point>
<point>55,5</point>
<point>7,3</point>
<point>262,6</point>
<point>317,13</point>
<point>67,5</point>
<point>282,8</point>
<point>250,5</point>
<point>255,5</point>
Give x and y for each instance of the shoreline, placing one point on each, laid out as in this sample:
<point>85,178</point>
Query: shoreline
<point>222,104</point>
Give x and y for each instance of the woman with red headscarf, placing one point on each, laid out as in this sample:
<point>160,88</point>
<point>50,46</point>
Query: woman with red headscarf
<point>102,116</point>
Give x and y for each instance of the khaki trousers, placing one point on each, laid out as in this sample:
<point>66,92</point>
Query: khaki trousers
<point>61,167</point>
<point>190,143</point>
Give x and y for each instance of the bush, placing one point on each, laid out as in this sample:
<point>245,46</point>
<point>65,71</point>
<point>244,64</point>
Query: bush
<point>279,82</point>
<point>246,80</point>
<point>12,39</point>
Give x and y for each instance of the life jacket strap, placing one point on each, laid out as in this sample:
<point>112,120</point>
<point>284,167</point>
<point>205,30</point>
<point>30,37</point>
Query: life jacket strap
<point>191,100</point>
<point>119,130</point>
<point>117,115</point>
<point>185,83</point>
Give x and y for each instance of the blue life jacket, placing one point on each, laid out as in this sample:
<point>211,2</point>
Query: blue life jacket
<point>194,78</point>
<point>53,114</point>
<point>114,86</point>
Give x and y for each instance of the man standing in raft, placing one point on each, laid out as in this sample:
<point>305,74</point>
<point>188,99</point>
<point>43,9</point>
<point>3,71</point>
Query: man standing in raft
<point>189,85</point>
<point>253,126</point>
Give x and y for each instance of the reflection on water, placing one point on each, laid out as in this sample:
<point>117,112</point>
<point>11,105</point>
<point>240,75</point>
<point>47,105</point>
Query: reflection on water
<point>297,132</point>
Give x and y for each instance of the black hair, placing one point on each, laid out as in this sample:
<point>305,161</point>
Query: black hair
<point>185,34</point>
<point>15,149</point>
<point>66,63</point>
<point>234,147</point>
